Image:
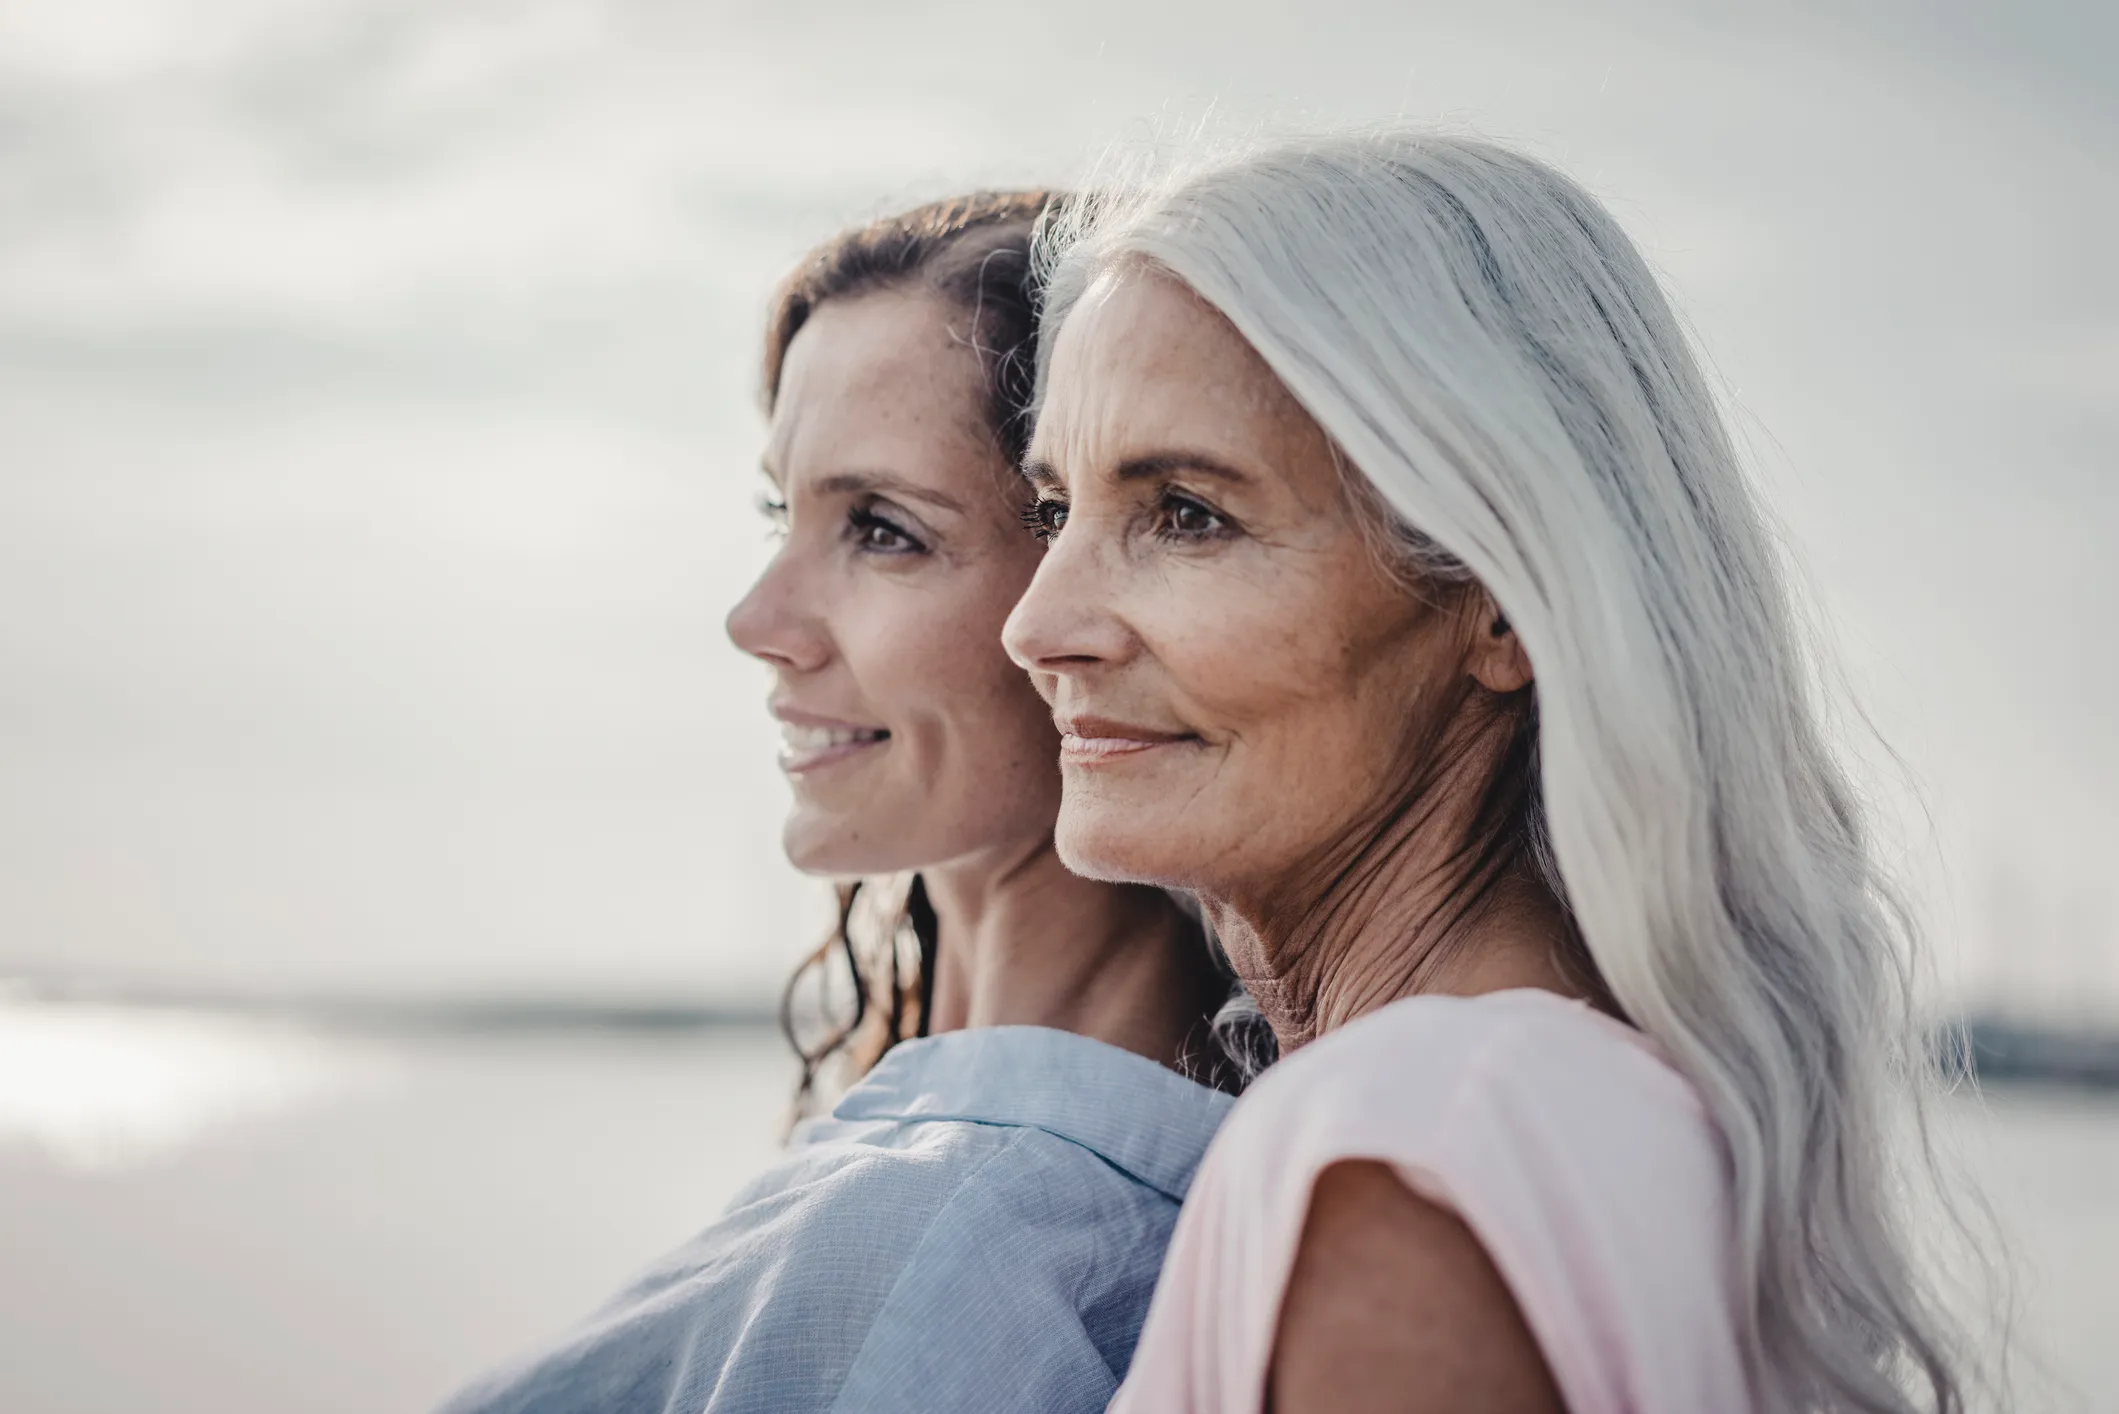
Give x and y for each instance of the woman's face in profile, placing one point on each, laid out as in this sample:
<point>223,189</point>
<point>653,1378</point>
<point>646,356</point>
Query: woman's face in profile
<point>1242,681</point>
<point>908,736</point>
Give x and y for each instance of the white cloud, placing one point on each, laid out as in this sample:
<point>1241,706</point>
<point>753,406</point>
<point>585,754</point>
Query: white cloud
<point>374,413</point>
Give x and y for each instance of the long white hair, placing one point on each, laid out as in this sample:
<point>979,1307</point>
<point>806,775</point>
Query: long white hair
<point>1489,351</point>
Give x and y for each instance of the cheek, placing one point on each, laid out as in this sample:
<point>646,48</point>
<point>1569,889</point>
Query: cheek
<point>1256,662</point>
<point>974,744</point>
<point>1220,654</point>
<point>1305,696</point>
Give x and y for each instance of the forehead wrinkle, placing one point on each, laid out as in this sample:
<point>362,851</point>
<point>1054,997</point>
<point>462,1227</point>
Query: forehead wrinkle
<point>1072,439</point>
<point>1158,383</point>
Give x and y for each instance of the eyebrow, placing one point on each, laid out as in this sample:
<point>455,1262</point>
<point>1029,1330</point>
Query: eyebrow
<point>855,483</point>
<point>1164,463</point>
<point>1040,472</point>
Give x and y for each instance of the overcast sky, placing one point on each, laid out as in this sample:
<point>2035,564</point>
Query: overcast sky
<point>377,444</point>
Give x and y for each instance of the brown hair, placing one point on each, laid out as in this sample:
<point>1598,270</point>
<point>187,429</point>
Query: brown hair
<point>972,252</point>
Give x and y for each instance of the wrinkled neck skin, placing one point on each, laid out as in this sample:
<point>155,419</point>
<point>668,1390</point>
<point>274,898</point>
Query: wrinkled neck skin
<point>1024,942</point>
<point>1412,899</point>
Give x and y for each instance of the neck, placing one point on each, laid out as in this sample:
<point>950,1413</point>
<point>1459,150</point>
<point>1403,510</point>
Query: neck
<point>1416,901</point>
<point>1024,942</point>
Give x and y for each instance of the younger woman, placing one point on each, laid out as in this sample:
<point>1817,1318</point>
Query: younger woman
<point>978,1223</point>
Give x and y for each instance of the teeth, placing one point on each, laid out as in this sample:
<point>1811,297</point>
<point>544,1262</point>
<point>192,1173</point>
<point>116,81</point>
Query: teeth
<point>795,738</point>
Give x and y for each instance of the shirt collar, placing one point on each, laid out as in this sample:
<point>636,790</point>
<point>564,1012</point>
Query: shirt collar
<point>1140,1117</point>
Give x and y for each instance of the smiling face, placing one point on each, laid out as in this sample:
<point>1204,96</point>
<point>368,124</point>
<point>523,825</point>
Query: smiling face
<point>1249,693</point>
<point>909,738</point>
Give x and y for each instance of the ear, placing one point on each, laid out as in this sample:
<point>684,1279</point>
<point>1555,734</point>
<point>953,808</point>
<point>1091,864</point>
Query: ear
<point>1497,661</point>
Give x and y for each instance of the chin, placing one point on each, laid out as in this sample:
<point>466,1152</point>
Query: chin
<point>1113,847</point>
<point>829,847</point>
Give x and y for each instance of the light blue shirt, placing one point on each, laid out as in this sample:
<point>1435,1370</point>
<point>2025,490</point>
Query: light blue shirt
<point>976,1227</point>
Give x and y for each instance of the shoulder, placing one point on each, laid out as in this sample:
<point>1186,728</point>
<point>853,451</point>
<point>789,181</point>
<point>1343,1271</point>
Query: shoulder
<point>1041,1263</point>
<point>1533,1118</point>
<point>1036,1275</point>
<point>1555,1141</point>
<point>881,1183</point>
<point>773,1304</point>
<point>1139,1120</point>
<point>1430,1075</point>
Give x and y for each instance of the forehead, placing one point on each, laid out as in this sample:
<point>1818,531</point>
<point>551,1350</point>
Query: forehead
<point>1142,362</point>
<point>878,379</point>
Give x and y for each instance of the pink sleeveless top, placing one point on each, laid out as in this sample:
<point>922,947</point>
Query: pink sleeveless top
<point>1585,1165</point>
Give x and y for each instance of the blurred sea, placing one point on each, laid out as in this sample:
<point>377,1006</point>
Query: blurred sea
<point>233,1213</point>
<point>236,1212</point>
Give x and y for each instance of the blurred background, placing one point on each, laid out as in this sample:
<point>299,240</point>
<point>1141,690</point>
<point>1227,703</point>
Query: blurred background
<point>390,894</point>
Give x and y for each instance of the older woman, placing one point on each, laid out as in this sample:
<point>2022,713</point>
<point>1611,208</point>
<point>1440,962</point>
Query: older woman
<point>1405,600</point>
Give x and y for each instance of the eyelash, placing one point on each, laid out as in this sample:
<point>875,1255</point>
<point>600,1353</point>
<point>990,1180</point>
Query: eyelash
<point>1171,504</point>
<point>1038,516</point>
<point>862,520</point>
<point>1047,516</point>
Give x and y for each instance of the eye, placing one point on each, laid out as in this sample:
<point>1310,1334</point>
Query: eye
<point>1182,517</point>
<point>877,534</point>
<point>1045,517</point>
<point>774,510</point>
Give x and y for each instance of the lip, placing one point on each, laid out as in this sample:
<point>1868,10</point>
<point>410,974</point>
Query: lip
<point>1089,740</point>
<point>810,741</point>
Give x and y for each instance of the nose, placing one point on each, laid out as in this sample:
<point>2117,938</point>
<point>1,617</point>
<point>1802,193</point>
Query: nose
<point>1066,622</point>
<point>775,624</point>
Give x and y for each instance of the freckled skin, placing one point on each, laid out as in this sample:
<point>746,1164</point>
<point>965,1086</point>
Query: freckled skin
<point>1326,736</point>
<point>904,549</point>
<point>908,642</point>
<point>1315,682</point>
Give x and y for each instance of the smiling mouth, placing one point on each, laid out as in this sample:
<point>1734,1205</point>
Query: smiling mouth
<point>1090,741</point>
<point>805,748</point>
